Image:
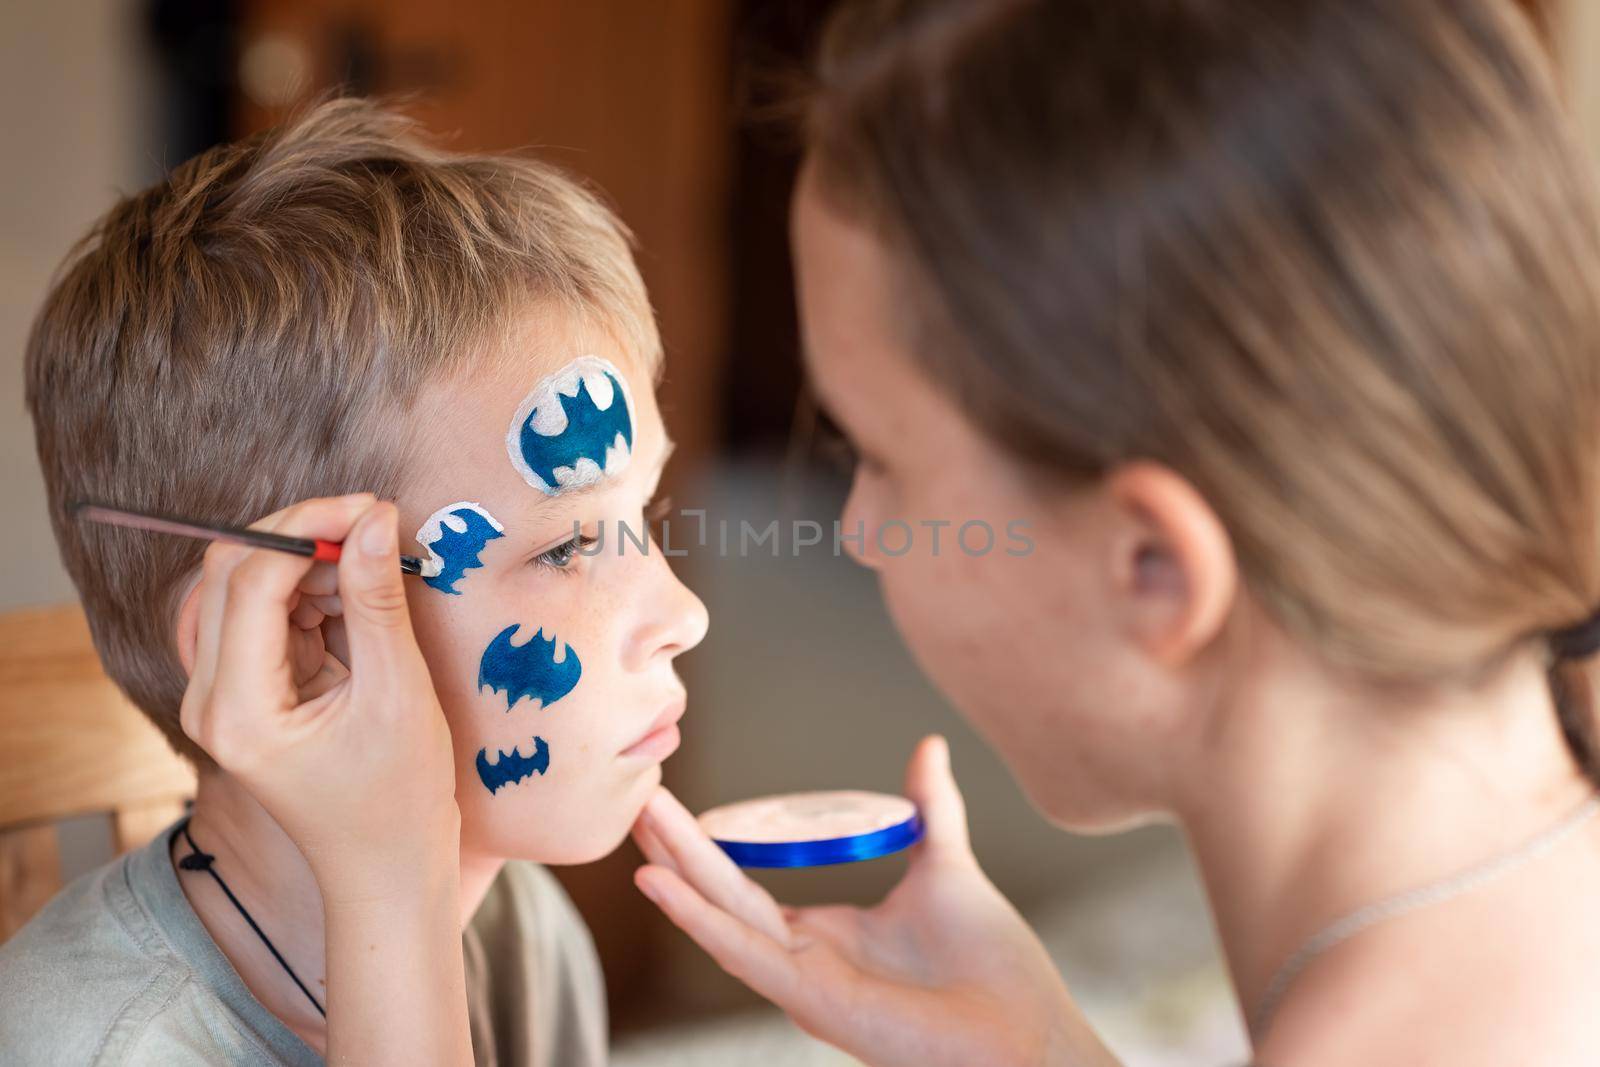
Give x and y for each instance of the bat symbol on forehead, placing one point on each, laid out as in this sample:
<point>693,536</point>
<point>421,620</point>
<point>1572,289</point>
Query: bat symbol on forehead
<point>564,435</point>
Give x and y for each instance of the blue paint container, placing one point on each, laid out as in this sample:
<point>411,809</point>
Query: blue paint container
<point>813,829</point>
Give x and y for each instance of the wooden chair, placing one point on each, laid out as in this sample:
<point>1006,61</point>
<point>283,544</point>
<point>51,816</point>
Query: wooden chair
<point>70,745</point>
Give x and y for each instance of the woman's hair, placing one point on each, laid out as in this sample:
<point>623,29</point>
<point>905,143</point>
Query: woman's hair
<point>1334,261</point>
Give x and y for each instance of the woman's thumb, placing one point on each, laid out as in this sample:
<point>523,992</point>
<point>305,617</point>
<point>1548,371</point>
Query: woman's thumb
<point>932,787</point>
<point>372,591</point>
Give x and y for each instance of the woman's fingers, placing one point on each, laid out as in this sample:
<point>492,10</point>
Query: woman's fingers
<point>257,658</point>
<point>240,656</point>
<point>329,606</point>
<point>328,676</point>
<point>932,787</point>
<point>312,611</point>
<point>654,851</point>
<point>211,595</point>
<point>372,592</point>
<point>837,924</point>
<point>321,580</point>
<point>262,590</point>
<point>700,862</point>
<point>334,638</point>
<point>306,615</point>
<point>763,964</point>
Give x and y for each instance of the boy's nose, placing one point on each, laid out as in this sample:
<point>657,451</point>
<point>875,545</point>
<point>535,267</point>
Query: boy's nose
<point>677,620</point>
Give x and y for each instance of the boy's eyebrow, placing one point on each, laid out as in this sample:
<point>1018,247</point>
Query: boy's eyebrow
<point>668,446</point>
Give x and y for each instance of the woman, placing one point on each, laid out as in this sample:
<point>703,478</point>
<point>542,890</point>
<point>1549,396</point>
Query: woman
<point>1279,318</point>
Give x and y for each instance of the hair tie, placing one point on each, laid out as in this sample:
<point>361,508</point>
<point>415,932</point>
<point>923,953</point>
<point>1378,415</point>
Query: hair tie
<point>1577,642</point>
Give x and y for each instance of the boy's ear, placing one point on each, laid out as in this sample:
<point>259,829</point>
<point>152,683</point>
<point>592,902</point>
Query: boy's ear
<point>187,633</point>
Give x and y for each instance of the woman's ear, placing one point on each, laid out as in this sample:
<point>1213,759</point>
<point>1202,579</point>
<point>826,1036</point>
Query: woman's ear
<point>1174,561</point>
<point>187,633</point>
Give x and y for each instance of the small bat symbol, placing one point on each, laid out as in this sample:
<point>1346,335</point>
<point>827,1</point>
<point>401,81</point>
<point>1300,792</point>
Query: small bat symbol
<point>452,551</point>
<point>528,670</point>
<point>589,433</point>
<point>512,767</point>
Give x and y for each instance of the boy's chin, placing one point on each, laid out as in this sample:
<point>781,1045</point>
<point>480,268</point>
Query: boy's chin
<point>577,835</point>
<point>579,853</point>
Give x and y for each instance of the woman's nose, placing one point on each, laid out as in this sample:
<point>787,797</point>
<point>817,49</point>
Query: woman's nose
<point>855,529</point>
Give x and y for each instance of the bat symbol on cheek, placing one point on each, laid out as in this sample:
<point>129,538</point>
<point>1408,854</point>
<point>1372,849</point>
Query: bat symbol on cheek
<point>529,670</point>
<point>509,768</point>
<point>526,671</point>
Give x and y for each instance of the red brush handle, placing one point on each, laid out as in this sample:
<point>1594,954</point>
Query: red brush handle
<point>318,549</point>
<point>328,552</point>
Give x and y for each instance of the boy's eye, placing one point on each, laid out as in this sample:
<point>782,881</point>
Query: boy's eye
<point>561,556</point>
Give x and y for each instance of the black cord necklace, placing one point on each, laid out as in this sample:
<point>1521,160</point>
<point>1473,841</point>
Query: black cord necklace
<point>203,861</point>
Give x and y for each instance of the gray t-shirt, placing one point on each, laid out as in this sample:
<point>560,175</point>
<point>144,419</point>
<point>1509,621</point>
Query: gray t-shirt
<point>118,971</point>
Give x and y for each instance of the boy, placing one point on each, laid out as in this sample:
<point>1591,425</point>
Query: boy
<point>337,307</point>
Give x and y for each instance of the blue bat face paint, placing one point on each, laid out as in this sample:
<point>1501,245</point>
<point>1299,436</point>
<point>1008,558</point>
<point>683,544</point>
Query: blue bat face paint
<point>574,428</point>
<point>589,433</point>
<point>509,768</point>
<point>454,536</point>
<point>529,670</point>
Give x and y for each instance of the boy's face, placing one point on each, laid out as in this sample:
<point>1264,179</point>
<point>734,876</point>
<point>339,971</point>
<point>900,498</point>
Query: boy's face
<point>547,733</point>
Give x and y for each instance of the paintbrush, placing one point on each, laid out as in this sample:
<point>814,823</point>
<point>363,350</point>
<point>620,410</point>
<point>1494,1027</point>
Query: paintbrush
<point>316,548</point>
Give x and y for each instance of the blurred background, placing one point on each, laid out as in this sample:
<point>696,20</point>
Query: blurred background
<point>658,103</point>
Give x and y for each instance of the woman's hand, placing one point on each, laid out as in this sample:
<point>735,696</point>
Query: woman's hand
<point>944,971</point>
<point>308,687</point>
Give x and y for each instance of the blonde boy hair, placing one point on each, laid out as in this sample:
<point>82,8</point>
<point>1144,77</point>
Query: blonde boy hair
<point>249,332</point>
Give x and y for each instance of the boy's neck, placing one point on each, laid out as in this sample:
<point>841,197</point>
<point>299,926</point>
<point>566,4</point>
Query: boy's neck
<point>266,871</point>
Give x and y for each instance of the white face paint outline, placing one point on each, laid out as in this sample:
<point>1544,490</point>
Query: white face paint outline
<point>551,421</point>
<point>432,529</point>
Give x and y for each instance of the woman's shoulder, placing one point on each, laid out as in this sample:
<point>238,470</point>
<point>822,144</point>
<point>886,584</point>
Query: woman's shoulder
<point>1478,982</point>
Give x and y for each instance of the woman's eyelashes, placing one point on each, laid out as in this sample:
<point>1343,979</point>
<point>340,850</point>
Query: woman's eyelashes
<point>838,450</point>
<point>832,445</point>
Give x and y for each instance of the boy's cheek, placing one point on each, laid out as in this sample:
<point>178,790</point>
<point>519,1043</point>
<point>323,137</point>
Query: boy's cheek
<point>521,699</point>
<point>445,640</point>
<point>579,809</point>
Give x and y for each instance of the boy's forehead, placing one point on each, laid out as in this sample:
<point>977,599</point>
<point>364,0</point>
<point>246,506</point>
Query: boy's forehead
<point>499,374</point>
<point>460,424</point>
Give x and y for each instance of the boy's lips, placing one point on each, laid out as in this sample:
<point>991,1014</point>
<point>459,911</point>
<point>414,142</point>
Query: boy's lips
<point>660,738</point>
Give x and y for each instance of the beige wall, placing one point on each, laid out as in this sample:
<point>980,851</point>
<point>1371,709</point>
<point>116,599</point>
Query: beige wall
<point>71,93</point>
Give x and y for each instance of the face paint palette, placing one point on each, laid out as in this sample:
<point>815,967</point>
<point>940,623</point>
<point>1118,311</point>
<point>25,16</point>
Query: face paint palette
<point>813,829</point>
